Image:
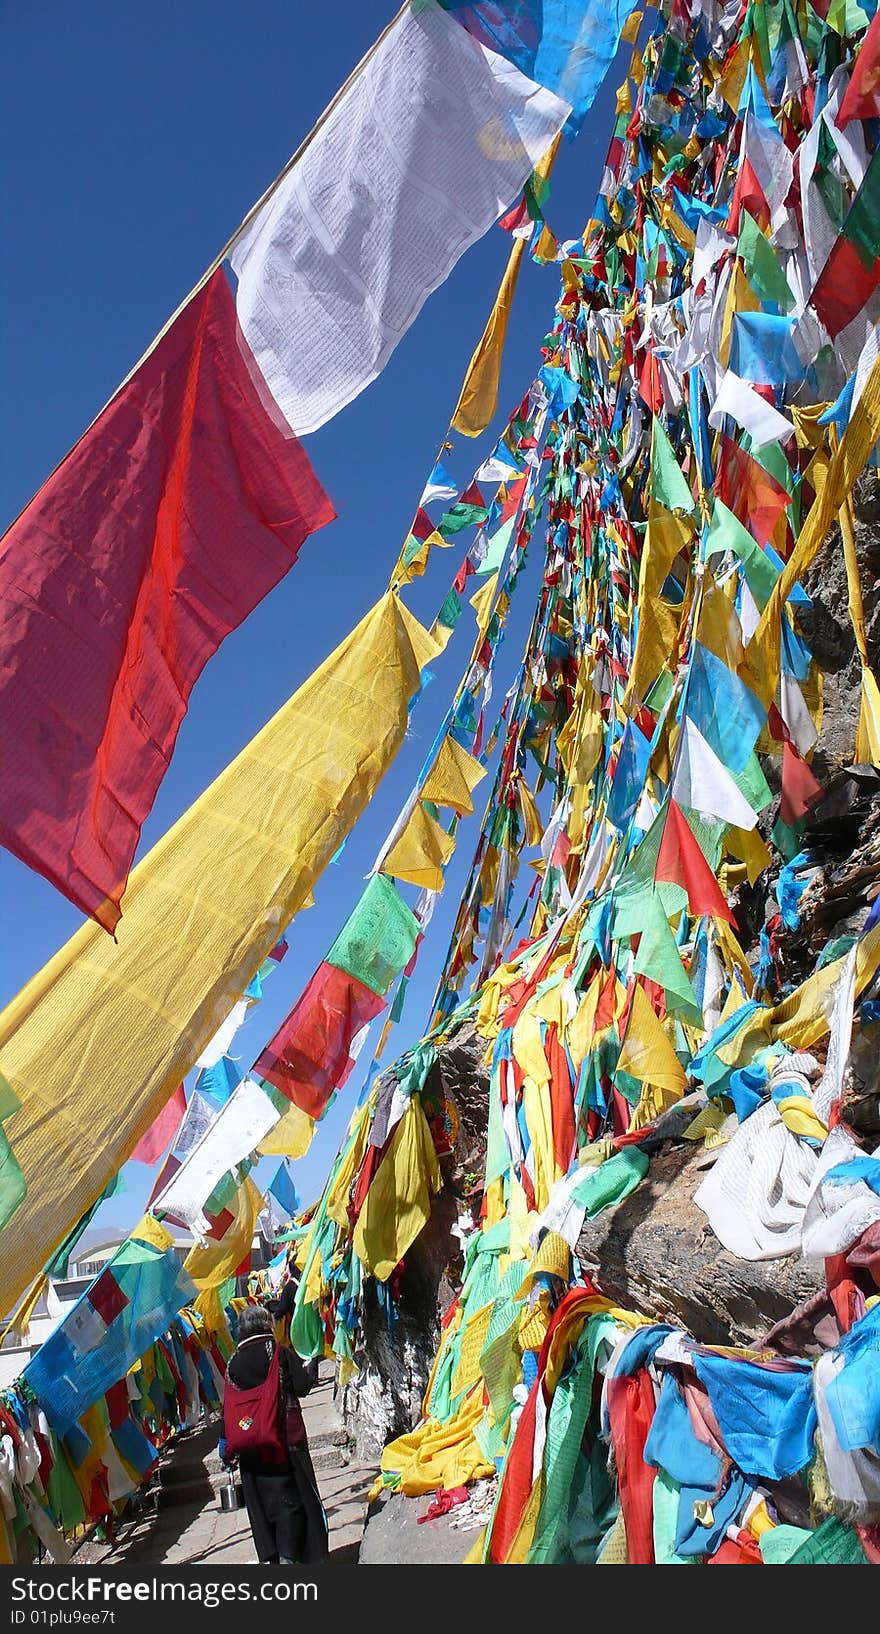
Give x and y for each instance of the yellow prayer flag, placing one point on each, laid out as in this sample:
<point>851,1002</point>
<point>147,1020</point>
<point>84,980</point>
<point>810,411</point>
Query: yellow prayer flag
<point>419,853</point>
<point>453,778</point>
<point>101,1037</point>
<point>666,535</point>
<point>481,602</point>
<point>212,1263</point>
<point>478,399</point>
<point>534,828</point>
<point>750,848</point>
<point>291,1136</point>
<point>398,1203</point>
<point>646,1052</point>
<point>761,667</point>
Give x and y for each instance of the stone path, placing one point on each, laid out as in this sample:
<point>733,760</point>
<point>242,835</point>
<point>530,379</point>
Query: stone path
<point>184,1524</point>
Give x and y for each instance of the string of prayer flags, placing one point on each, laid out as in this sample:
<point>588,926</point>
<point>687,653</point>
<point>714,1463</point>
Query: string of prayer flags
<point>310,1056</point>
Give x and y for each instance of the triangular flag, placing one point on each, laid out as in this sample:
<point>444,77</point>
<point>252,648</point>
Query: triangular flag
<point>439,485</point>
<point>482,600</point>
<point>420,852</point>
<point>668,486</point>
<point>282,1188</point>
<point>646,1053</point>
<point>681,862</point>
<point>657,957</point>
<point>453,778</point>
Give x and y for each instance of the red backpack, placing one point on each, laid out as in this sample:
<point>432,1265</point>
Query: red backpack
<point>252,1418</point>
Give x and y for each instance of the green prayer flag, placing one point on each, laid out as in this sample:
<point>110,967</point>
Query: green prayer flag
<point>667,484</point>
<point>726,532</point>
<point>497,546</point>
<point>378,938</point>
<point>460,516</point>
<point>613,1180</point>
<point>833,1544</point>
<point>13,1186</point>
<point>761,265</point>
<point>450,612</point>
<point>658,957</point>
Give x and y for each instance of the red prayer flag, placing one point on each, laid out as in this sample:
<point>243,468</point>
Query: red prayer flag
<point>162,1130</point>
<point>107,1298</point>
<point>862,99</point>
<point>681,862</point>
<point>799,786</point>
<point>517,216</point>
<point>844,286</point>
<point>561,1100</point>
<point>308,1057</point>
<point>754,496</point>
<point>630,1414</point>
<point>176,512</point>
<point>473,496</point>
<point>748,194</point>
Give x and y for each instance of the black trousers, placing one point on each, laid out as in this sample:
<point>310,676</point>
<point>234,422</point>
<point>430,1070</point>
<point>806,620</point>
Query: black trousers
<point>276,1515</point>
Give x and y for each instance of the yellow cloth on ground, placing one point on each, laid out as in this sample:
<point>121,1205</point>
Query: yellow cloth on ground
<point>437,1455</point>
<point>798,1115</point>
<point>398,1203</point>
<point>101,1037</point>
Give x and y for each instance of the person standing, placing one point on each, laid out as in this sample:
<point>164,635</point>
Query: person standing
<point>280,1491</point>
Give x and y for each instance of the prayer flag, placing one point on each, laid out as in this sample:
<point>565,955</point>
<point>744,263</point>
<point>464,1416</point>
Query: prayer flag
<point>169,521</point>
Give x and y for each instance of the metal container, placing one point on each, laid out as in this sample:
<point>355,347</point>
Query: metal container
<point>231,1495</point>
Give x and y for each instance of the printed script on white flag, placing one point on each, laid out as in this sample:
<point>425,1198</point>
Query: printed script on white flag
<point>425,150</point>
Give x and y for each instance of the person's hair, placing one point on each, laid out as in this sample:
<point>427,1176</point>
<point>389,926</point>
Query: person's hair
<point>253,1319</point>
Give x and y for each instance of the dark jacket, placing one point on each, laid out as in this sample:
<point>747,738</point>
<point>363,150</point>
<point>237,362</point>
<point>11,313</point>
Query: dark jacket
<point>247,1368</point>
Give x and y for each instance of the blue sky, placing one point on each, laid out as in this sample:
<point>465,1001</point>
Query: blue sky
<point>138,139</point>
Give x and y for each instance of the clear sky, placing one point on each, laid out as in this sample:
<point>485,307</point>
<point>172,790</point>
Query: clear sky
<point>135,139</point>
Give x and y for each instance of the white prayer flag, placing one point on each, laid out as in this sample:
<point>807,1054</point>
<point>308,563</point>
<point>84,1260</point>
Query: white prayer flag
<point>702,782</point>
<point>428,145</point>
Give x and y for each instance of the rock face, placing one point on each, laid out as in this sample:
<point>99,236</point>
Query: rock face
<point>396,1355</point>
<point>655,1253</point>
